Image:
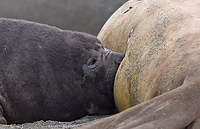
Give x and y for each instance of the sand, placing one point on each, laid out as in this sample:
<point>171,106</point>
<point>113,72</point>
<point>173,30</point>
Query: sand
<point>55,124</point>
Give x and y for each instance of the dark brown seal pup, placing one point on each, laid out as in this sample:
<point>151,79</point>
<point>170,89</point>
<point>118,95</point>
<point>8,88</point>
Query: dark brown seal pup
<point>51,74</point>
<point>160,73</point>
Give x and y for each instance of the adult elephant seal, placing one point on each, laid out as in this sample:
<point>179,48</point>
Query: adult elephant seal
<point>161,68</point>
<point>51,74</point>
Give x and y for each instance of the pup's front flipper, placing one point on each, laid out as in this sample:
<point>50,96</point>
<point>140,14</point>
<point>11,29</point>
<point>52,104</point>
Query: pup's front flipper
<point>2,118</point>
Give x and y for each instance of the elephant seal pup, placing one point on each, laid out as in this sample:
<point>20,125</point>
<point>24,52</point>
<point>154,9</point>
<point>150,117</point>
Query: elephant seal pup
<point>51,74</point>
<point>160,73</point>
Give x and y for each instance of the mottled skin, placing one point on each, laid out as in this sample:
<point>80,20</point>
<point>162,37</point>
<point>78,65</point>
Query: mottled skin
<point>160,74</point>
<point>51,74</point>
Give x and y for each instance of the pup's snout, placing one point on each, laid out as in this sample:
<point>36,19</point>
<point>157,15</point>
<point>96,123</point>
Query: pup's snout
<point>115,56</point>
<point>118,57</point>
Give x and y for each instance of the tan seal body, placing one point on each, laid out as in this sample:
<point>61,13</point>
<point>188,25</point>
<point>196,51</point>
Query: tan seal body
<point>160,71</point>
<point>165,37</point>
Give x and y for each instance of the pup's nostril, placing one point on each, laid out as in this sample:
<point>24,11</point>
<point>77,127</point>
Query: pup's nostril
<point>119,58</point>
<point>122,56</point>
<point>117,62</point>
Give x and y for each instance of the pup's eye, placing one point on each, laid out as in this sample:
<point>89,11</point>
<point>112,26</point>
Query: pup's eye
<point>92,62</point>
